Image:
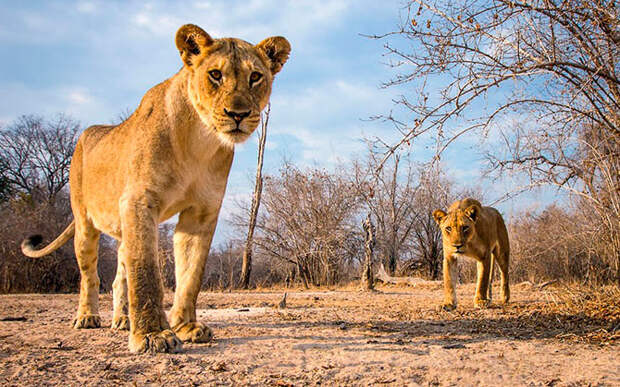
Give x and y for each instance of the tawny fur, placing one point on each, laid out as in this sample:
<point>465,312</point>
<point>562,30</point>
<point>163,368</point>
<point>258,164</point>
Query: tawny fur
<point>171,156</point>
<point>470,230</point>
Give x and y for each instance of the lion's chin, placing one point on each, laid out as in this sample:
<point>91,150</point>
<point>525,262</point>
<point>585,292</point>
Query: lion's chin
<point>232,137</point>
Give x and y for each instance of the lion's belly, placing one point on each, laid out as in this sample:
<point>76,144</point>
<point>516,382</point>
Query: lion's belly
<point>461,256</point>
<point>173,209</point>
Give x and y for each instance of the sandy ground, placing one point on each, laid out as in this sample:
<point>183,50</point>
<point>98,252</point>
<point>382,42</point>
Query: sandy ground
<point>395,336</point>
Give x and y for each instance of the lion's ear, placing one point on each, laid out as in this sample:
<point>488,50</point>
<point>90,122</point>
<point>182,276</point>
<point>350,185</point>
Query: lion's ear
<point>276,49</point>
<point>191,40</point>
<point>472,212</point>
<point>438,215</point>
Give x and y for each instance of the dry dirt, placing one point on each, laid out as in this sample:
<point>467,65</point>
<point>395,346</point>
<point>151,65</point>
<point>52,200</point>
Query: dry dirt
<point>395,336</point>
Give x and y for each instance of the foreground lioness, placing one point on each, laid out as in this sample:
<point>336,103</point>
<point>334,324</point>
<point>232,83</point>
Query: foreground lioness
<point>470,230</point>
<point>171,156</point>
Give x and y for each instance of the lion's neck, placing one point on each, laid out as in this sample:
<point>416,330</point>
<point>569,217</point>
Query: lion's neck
<point>191,137</point>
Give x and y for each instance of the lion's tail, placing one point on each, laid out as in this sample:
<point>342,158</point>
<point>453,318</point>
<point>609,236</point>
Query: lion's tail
<point>29,244</point>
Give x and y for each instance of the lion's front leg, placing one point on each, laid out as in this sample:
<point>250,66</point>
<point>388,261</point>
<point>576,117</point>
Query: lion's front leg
<point>192,240</point>
<point>482,285</point>
<point>149,329</point>
<point>450,277</point>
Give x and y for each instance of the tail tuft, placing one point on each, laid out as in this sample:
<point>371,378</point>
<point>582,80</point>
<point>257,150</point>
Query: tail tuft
<point>32,242</point>
<point>29,244</point>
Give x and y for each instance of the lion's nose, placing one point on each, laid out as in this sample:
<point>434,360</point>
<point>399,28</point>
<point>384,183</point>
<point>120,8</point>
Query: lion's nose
<point>237,116</point>
<point>457,245</point>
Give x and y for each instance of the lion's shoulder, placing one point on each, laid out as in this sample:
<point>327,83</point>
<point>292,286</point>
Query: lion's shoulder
<point>93,134</point>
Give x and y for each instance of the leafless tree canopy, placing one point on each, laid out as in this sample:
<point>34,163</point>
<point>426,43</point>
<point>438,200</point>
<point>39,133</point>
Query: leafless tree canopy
<point>36,155</point>
<point>555,60</point>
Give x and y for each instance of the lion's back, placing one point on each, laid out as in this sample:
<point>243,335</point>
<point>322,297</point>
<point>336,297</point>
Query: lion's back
<point>497,227</point>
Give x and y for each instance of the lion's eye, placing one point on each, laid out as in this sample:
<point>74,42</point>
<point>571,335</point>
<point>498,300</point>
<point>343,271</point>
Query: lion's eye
<point>216,74</point>
<point>448,229</point>
<point>255,77</point>
<point>465,228</point>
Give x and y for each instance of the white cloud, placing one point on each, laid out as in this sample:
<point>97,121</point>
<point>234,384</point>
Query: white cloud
<point>202,5</point>
<point>79,96</point>
<point>157,23</point>
<point>19,99</point>
<point>87,7</point>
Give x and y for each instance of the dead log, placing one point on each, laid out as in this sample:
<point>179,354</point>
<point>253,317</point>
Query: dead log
<point>545,284</point>
<point>384,277</point>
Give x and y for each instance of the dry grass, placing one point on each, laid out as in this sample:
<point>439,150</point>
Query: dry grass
<point>575,303</point>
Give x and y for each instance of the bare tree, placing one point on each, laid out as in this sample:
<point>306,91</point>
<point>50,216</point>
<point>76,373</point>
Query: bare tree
<point>538,78</point>
<point>434,190</point>
<point>246,266</point>
<point>36,155</point>
<point>308,222</point>
<point>388,191</point>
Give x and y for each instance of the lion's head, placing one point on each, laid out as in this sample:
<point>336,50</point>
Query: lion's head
<point>458,226</point>
<point>229,79</point>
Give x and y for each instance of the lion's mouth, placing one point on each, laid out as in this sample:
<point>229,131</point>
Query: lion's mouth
<point>235,135</point>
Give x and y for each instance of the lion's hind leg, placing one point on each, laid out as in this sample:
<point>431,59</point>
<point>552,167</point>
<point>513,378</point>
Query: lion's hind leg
<point>492,274</point>
<point>120,318</point>
<point>86,240</point>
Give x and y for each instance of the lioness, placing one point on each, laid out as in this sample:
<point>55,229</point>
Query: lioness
<point>470,230</point>
<point>172,155</point>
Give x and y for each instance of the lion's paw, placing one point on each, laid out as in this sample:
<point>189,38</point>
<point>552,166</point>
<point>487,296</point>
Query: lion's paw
<point>121,323</point>
<point>482,304</point>
<point>194,332</point>
<point>164,341</point>
<point>87,321</point>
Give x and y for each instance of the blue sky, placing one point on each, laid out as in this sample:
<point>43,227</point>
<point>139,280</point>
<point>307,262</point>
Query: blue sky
<point>96,59</point>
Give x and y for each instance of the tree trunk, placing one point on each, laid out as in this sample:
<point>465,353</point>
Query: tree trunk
<point>246,268</point>
<point>391,261</point>
<point>367,276</point>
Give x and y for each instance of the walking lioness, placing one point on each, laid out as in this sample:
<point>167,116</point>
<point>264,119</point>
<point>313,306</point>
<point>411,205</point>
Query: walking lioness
<point>470,230</point>
<point>171,156</point>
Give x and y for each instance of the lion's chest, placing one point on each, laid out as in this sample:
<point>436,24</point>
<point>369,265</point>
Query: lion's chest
<point>198,187</point>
